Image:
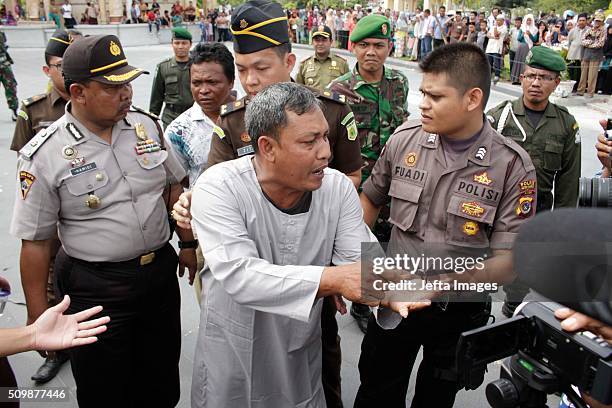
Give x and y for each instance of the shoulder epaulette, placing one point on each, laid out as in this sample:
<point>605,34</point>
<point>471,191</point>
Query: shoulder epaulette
<point>527,163</point>
<point>306,59</point>
<point>144,112</point>
<point>34,99</point>
<point>232,107</point>
<point>562,108</point>
<point>37,141</point>
<point>409,124</point>
<point>340,57</point>
<point>334,96</point>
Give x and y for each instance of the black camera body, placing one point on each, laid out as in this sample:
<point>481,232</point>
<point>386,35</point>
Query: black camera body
<point>545,359</point>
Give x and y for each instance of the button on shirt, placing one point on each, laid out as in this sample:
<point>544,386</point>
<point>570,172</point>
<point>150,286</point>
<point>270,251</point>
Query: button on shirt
<point>190,135</point>
<point>131,216</point>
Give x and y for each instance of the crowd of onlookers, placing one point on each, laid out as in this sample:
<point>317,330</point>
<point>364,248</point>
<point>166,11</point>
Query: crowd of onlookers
<point>585,40</point>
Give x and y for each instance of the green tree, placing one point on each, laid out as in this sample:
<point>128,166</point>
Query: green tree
<point>579,6</point>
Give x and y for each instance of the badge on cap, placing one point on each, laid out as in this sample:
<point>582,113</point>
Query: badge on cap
<point>25,181</point>
<point>411,159</point>
<point>114,49</point>
<point>384,29</point>
<point>470,228</point>
<point>141,132</point>
<point>482,178</point>
<point>69,152</point>
<point>472,208</point>
<point>243,24</point>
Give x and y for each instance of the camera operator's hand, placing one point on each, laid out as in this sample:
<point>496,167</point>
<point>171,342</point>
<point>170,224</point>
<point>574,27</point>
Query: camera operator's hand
<point>574,321</point>
<point>604,150</point>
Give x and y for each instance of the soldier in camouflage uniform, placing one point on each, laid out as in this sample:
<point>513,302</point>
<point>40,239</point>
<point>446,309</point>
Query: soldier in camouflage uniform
<point>378,97</point>
<point>7,78</point>
<point>550,135</point>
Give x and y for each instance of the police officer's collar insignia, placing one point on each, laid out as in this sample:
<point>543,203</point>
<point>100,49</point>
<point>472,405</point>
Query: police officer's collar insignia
<point>481,153</point>
<point>483,178</point>
<point>25,182</point>
<point>74,131</point>
<point>223,109</point>
<point>431,139</point>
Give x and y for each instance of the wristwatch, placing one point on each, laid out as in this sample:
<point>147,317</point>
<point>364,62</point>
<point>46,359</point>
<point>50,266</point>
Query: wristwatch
<point>188,244</point>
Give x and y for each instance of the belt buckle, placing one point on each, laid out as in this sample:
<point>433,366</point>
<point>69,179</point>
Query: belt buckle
<point>147,258</point>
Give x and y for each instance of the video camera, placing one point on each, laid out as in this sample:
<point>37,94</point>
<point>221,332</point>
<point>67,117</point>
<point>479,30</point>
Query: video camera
<point>596,192</point>
<point>562,260</point>
<point>540,359</point>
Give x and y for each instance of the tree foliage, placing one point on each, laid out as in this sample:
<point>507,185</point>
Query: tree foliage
<point>579,6</point>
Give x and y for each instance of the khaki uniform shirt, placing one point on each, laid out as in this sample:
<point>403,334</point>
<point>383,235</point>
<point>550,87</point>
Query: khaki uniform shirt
<point>63,166</point>
<point>320,73</point>
<point>35,114</point>
<point>231,141</point>
<point>553,145</point>
<point>172,86</point>
<point>478,201</point>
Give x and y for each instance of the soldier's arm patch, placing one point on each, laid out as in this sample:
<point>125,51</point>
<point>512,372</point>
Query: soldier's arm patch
<point>219,132</point>
<point>578,138</point>
<point>22,114</point>
<point>25,182</point>
<point>351,127</point>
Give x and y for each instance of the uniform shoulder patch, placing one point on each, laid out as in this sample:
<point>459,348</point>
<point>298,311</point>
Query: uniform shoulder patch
<point>333,96</point>
<point>144,112</point>
<point>28,151</point>
<point>34,99</point>
<point>232,107</point>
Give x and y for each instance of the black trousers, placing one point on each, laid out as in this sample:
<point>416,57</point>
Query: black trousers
<point>387,357</point>
<point>332,355</point>
<point>135,362</point>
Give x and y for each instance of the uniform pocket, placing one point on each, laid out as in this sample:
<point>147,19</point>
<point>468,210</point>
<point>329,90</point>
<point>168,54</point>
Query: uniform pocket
<point>552,155</point>
<point>311,76</point>
<point>86,182</point>
<point>468,222</point>
<point>404,205</point>
<point>171,84</point>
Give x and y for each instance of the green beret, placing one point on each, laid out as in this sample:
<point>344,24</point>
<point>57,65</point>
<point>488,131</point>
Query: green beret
<point>181,33</point>
<point>257,25</point>
<point>372,26</point>
<point>545,58</point>
<point>59,41</point>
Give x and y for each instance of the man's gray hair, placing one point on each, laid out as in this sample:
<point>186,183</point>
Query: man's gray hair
<point>266,114</point>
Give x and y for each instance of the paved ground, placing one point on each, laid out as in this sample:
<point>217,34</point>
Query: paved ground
<point>31,81</point>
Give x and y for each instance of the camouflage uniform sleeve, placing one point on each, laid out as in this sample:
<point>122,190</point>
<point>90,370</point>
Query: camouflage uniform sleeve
<point>567,179</point>
<point>406,91</point>
<point>518,203</point>
<point>221,149</point>
<point>347,151</point>
<point>376,187</point>
<point>158,91</point>
<point>23,129</point>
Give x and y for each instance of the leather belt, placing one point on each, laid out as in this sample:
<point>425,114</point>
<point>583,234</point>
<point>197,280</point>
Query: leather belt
<point>141,260</point>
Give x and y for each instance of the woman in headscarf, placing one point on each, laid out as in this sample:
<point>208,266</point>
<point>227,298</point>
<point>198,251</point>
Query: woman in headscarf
<point>527,36</point>
<point>401,35</point>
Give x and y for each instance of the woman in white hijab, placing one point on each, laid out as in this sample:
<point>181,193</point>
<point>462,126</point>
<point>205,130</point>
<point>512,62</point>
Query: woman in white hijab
<point>401,35</point>
<point>526,37</point>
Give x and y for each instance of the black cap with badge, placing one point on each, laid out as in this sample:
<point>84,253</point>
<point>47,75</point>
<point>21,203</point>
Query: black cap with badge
<point>322,31</point>
<point>99,58</point>
<point>257,25</point>
<point>58,42</point>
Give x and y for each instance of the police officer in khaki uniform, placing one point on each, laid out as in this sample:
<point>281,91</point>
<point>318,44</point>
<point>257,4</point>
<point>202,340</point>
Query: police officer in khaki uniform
<point>40,111</point>
<point>171,83</point>
<point>263,57</point>
<point>551,136</point>
<point>36,114</point>
<point>97,176</point>
<point>324,66</point>
<point>456,187</point>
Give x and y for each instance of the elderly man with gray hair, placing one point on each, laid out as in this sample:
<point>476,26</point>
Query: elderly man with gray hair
<point>272,224</point>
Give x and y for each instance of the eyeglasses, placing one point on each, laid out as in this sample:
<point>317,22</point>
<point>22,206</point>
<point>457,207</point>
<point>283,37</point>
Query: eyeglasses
<point>542,78</point>
<point>57,66</point>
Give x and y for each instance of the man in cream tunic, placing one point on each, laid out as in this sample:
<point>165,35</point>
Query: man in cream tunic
<point>270,226</point>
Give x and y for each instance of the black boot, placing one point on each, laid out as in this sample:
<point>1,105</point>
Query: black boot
<point>50,367</point>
